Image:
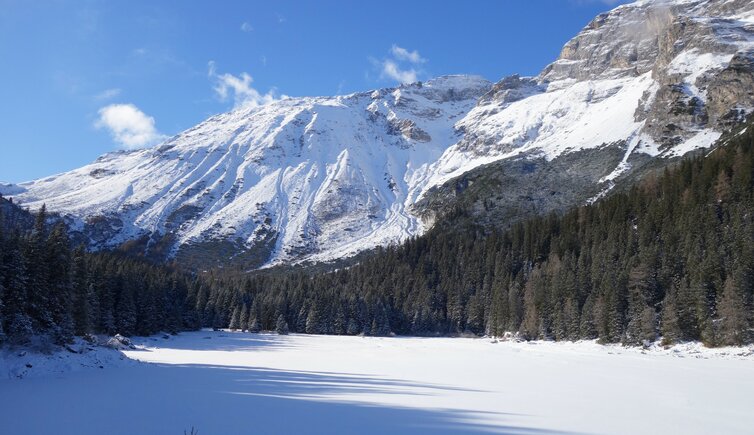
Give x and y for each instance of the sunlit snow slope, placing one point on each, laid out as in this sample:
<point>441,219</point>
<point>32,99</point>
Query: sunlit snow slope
<point>313,177</point>
<point>664,77</point>
<point>324,178</point>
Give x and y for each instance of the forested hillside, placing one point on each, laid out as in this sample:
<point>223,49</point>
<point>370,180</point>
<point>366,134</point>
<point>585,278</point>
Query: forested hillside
<point>49,290</point>
<point>671,258</point>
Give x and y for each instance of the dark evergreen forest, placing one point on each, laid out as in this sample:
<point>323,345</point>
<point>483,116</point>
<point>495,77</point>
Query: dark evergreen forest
<point>670,257</point>
<point>48,289</point>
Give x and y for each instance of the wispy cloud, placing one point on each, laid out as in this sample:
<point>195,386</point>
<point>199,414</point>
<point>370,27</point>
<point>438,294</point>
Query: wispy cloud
<point>129,127</point>
<point>108,94</point>
<point>246,27</point>
<point>391,70</point>
<point>401,65</point>
<point>401,53</point>
<point>239,87</point>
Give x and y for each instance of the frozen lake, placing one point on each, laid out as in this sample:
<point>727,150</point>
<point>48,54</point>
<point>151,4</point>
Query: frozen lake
<point>239,383</point>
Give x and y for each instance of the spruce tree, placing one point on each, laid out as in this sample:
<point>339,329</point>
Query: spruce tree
<point>734,325</point>
<point>81,300</point>
<point>37,268</point>
<point>18,324</point>
<point>235,319</point>
<point>281,326</point>
<point>243,320</point>
<point>254,326</point>
<point>60,298</point>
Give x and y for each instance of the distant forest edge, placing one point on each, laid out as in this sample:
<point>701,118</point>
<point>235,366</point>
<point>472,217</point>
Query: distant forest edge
<point>672,257</point>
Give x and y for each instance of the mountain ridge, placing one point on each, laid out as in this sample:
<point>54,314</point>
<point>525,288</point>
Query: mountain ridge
<point>322,178</point>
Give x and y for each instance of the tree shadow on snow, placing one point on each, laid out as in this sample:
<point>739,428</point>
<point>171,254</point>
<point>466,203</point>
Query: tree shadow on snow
<point>221,341</point>
<point>168,399</point>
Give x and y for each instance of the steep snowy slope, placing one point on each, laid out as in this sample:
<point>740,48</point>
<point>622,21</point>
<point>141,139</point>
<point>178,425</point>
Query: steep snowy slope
<point>303,177</point>
<point>661,77</point>
<point>323,178</point>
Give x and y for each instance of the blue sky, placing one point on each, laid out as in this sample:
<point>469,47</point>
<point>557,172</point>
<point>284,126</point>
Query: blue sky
<point>81,78</point>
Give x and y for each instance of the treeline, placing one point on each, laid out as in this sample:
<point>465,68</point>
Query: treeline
<point>49,290</point>
<point>671,258</point>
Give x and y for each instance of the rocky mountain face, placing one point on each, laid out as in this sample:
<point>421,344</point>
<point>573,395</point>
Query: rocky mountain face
<point>648,81</point>
<point>324,178</point>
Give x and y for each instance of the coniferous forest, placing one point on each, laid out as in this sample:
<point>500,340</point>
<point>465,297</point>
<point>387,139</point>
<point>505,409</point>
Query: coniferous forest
<point>671,257</point>
<point>49,289</point>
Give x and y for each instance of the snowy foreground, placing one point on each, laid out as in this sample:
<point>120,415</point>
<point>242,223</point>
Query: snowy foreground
<point>239,383</point>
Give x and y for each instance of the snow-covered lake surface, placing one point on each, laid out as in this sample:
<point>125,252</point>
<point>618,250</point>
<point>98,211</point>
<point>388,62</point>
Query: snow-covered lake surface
<point>239,383</point>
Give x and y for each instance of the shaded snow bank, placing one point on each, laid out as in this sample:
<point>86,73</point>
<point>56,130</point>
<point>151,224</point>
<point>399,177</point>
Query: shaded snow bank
<point>42,359</point>
<point>21,362</point>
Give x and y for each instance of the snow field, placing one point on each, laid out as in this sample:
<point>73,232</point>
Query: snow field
<point>238,383</point>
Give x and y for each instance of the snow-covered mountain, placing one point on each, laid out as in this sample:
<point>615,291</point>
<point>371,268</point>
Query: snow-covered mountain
<point>302,177</point>
<point>666,77</point>
<point>324,178</point>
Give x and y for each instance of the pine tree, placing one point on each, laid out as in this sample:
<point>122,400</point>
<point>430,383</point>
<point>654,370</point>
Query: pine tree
<point>671,323</point>
<point>82,320</point>
<point>733,317</point>
<point>281,326</point>
<point>125,311</point>
<point>106,298</point>
<point>2,312</point>
<point>339,322</point>
<point>37,269</point>
<point>235,319</point>
<point>18,325</point>
<point>2,274</point>
<point>531,321</point>
<point>60,299</point>
<point>380,323</point>
<point>254,326</point>
<point>243,320</point>
<point>314,321</point>
<point>353,327</point>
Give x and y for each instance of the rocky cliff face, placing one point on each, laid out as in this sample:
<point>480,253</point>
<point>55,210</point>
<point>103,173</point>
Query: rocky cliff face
<point>650,79</point>
<point>322,178</point>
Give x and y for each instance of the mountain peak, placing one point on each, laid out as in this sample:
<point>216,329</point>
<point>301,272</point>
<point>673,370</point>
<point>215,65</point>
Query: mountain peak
<point>320,178</point>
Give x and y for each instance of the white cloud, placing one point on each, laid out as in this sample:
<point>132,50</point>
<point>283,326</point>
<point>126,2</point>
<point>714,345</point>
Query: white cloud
<point>391,69</point>
<point>401,65</point>
<point>108,94</point>
<point>246,27</point>
<point>401,53</point>
<point>130,127</point>
<point>244,95</point>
